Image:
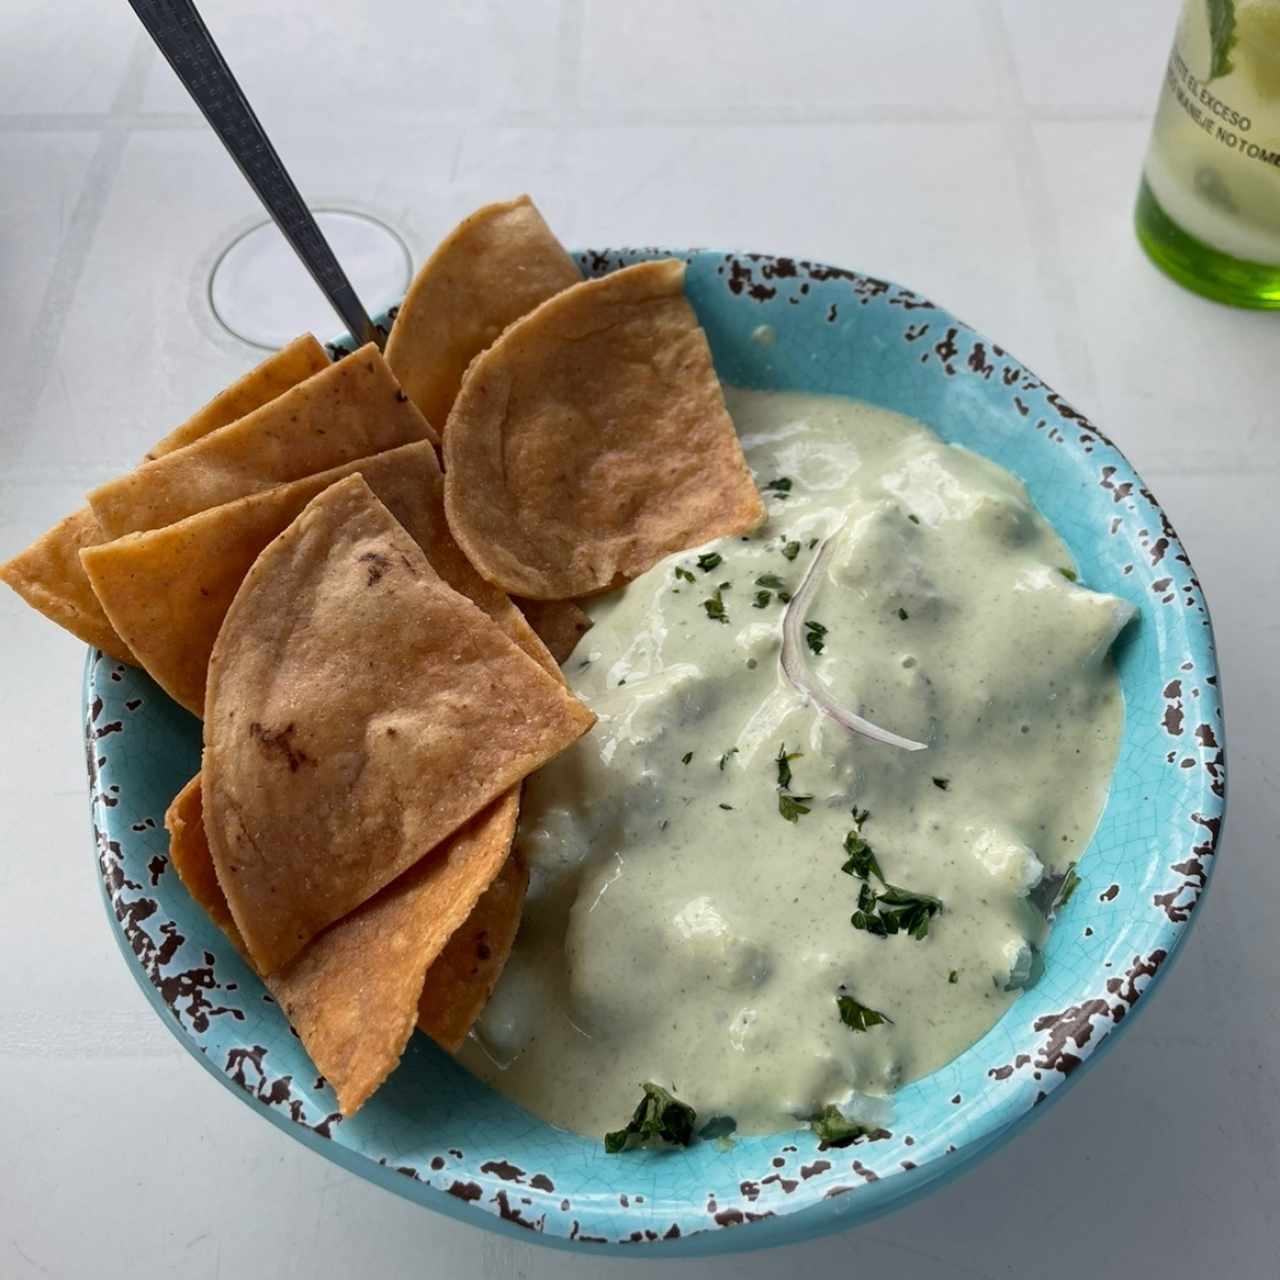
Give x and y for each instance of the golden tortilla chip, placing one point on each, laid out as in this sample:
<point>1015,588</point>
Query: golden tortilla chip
<point>463,977</point>
<point>278,373</point>
<point>49,577</point>
<point>494,267</point>
<point>48,574</point>
<point>354,993</point>
<point>358,711</point>
<point>353,409</point>
<point>559,624</point>
<point>592,439</point>
<point>167,590</point>
<point>190,857</point>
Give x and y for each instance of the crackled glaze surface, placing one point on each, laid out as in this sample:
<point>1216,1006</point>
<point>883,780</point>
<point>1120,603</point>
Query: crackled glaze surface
<point>439,1137</point>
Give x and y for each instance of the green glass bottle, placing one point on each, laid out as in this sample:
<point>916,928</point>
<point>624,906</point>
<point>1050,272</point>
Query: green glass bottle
<point>1208,209</point>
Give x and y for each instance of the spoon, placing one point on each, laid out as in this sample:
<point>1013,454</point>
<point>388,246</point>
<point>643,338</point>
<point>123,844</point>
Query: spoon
<point>180,34</point>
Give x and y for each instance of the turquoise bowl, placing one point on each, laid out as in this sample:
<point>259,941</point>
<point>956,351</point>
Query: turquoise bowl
<point>442,1139</point>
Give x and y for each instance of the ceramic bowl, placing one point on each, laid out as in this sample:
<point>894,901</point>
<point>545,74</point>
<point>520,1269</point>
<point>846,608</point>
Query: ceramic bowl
<point>440,1138</point>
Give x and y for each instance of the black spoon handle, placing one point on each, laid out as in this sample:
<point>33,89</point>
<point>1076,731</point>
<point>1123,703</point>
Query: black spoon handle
<point>180,34</point>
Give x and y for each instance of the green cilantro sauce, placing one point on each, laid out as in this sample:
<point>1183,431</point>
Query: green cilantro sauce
<point>707,910</point>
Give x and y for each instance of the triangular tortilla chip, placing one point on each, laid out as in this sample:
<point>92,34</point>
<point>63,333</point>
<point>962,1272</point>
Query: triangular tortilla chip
<point>358,710</point>
<point>278,373</point>
<point>48,574</point>
<point>353,993</point>
<point>167,590</point>
<point>494,267</point>
<point>560,624</point>
<point>190,857</point>
<point>592,439</point>
<point>390,941</point>
<point>49,577</point>
<point>463,977</point>
<point>351,410</point>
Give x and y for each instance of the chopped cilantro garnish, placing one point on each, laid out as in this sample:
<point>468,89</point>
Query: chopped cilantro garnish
<point>688,755</point>
<point>710,560</point>
<point>914,519</point>
<point>725,806</point>
<point>1070,883</point>
<point>781,485</point>
<point>857,1016</point>
<point>791,550</point>
<point>913,911</point>
<point>783,761</point>
<point>834,1130</point>
<point>942,783</point>
<point>715,607</point>
<point>1070,575</point>
<point>724,759</point>
<point>861,861</point>
<point>659,1115</point>
<point>953,977</point>
<point>902,613</point>
<point>762,599</point>
<point>772,581</point>
<point>813,542</point>
<point>891,910</point>
<point>894,910</point>
<point>684,574</point>
<point>814,635</point>
<point>791,807</point>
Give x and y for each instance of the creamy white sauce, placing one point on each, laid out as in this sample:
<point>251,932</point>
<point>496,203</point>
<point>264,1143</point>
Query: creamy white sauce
<point>669,938</point>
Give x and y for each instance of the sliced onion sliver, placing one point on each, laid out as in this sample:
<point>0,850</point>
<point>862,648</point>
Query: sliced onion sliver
<point>796,668</point>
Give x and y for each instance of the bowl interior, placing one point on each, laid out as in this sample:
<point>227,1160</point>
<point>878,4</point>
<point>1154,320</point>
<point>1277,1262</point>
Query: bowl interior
<point>435,1134</point>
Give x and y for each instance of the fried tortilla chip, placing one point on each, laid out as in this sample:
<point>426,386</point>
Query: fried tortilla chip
<point>277,374</point>
<point>167,590</point>
<point>190,857</point>
<point>560,624</point>
<point>49,577</point>
<point>494,267</point>
<point>48,574</point>
<point>592,439</point>
<point>358,711</point>
<point>353,409</point>
<point>463,977</point>
<point>353,994</point>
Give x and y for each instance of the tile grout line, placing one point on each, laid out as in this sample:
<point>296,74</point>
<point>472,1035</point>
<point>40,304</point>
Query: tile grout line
<point>1038,206</point>
<point>73,254</point>
<point>567,106</point>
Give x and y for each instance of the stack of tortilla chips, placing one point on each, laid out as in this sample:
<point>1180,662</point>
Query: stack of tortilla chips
<point>293,565</point>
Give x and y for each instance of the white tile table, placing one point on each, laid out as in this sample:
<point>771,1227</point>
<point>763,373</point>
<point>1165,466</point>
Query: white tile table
<point>985,152</point>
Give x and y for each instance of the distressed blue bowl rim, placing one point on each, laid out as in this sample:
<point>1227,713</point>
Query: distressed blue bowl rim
<point>812,1191</point>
